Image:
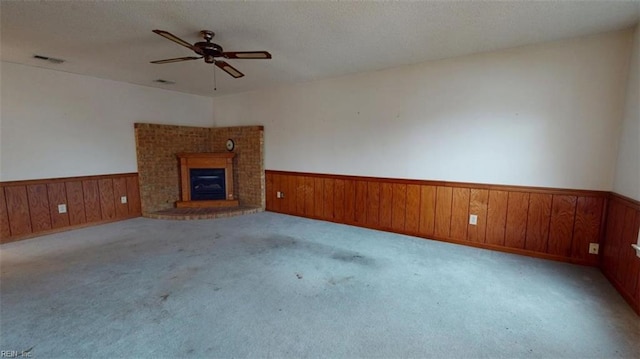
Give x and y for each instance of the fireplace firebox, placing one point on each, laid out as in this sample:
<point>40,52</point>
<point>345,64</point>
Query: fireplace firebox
<point>206,180</point>
<point>207,184</point>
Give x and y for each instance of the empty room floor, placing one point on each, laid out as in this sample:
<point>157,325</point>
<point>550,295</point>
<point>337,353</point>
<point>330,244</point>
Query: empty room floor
<point>271,285</point>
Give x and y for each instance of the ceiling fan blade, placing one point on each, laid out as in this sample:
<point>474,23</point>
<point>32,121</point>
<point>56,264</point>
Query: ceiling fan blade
<point>174,38</point>
<point>247,55</point>
<point>177,59</point>
<point>229,69</point>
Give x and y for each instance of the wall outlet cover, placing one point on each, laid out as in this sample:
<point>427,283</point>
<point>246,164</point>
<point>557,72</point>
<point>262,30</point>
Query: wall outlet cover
<point>473,219</point>
<point>62,208</point>
<point>123,199</point>
<point>594,248</point>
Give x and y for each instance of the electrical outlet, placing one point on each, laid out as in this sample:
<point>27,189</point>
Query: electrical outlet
<point>62,208</point>
<point>123,199</point>
<point>278,194</point>
<point>594,248</point>
<point>473,219</point>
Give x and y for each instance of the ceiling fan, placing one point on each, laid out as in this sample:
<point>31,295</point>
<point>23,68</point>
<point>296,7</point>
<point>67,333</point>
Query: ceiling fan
<point>209,51</point>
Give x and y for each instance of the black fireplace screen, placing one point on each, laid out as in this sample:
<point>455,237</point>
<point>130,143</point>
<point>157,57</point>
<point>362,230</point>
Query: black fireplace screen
<point>207,184</point>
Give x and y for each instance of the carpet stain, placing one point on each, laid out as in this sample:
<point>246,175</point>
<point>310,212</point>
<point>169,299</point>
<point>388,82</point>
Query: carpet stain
<point>270,243</point>
<point>334,281</point>
<point>299,275</point>
<point>177,280</point>
<point>351,257</point>
<point>161,316</point>
<point>287,243</point>
<point>184,274</point>
<point>278,242</point>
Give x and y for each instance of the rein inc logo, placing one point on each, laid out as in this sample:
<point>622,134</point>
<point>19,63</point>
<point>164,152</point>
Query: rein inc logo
<point>16,353</point>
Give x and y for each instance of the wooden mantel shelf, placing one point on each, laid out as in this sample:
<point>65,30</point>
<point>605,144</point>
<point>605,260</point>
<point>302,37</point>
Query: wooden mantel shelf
<point>206,160</point>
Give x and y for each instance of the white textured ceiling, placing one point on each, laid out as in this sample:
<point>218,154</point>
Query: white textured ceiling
<point>308,40</point>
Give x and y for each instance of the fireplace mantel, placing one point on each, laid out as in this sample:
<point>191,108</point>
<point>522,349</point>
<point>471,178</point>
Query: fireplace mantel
<point>205,160</point>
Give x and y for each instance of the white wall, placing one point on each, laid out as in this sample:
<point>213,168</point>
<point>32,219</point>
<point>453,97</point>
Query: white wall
<point>57,124</point>
<point>627,179</point>
<point>543,115</point>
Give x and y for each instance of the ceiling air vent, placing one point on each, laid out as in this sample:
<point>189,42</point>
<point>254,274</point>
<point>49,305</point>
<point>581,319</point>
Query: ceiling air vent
<point>47,58</point>
<point>166,82</point>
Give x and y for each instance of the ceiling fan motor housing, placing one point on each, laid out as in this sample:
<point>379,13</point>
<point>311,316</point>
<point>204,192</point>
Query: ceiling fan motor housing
<point>208,50</point>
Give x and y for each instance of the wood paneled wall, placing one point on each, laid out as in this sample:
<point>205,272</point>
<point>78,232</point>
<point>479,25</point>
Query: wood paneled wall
<point>549,223</point>
<point>30,208</point>
<point>620,263</point>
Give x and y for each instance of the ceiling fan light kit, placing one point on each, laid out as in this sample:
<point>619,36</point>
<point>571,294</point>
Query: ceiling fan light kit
<point>209,51</point>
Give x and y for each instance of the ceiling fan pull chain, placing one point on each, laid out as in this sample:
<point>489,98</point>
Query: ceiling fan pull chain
<point>215,86</point>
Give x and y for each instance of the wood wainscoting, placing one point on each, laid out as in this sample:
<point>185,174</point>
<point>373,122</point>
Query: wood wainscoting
<point>30,208</point>
<point>620,264</point>
<point>549,223</point>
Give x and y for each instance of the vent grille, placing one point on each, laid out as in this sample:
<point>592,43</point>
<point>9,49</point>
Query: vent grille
<point>52,60</point>
<point>166,82</point>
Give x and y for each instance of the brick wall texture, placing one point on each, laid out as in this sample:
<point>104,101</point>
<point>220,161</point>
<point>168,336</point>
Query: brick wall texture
<point>159,171</point>
<point>248,164</point>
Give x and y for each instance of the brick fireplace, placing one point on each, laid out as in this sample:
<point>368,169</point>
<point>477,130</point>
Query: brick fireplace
<point>158,146</point>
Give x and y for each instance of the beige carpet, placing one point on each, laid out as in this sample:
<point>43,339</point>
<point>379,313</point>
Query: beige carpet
<point>270,285</point>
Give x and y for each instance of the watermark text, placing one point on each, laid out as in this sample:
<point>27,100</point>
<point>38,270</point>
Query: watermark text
<point>16,354</point>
